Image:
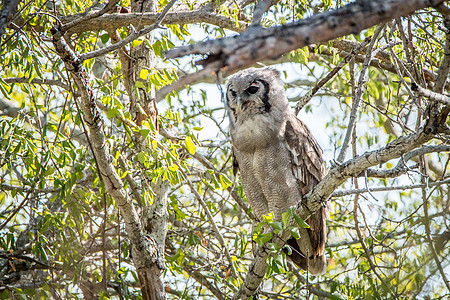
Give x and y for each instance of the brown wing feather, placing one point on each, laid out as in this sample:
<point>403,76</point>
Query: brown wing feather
<point>235,163</point>
<point>306,154</point>
<point>308,167</point>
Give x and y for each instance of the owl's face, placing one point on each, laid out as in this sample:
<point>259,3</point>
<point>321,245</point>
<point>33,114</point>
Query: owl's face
<point>255,91</point>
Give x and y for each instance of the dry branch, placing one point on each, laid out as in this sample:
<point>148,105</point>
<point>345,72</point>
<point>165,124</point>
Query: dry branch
<point>144,248</point>
<point>258,44</point>
<point>112,22</point>
<point>343,193</point>
<point>8,9</point>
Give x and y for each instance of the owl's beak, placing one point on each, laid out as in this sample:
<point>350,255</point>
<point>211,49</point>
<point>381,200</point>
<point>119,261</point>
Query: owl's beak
<point>242,103</point>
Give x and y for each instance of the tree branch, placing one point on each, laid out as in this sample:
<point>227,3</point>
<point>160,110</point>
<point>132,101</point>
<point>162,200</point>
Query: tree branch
<point>86,17</point>
<point>9,8</point>
<point>441,98</point>
<point>343,193</point>
<point>358,95</point>
<point>130,37</point>
<point>305,99</point>
<point>145,253</point>
<point>111,22</point>
<point>428,235</point>
<point>257,44</point>
<point>260,8</point>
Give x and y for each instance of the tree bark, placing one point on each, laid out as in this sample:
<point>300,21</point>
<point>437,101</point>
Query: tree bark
<point>146,251</point>
<point>257,43</point>
<point>9,8</point>
<point>154,216</point>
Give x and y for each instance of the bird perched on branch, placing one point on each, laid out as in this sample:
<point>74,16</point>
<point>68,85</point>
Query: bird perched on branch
<point>278,158</point>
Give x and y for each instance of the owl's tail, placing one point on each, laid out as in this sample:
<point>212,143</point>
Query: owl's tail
<point>309,251</point>
<point>316,264</point>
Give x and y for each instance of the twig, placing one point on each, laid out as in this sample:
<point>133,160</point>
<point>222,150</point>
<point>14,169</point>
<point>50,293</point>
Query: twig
<point>186,80</point>
<point>19,207</point>
<point>211,221</point>
<point>129,38</point>
<point>343,193</point>
<point>401,167</point>
<point>206,163</point>
<point>37,81</point>
<point>302,279</point>
<point>131,182</point>
<point>358,95</point>
<point>86,17</point>
<point>307,97</point>
<point>428,234</point>
<point>363,245</point>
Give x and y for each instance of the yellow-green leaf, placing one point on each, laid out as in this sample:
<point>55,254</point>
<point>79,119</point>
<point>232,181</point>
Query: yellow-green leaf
<point>144,74</point>
<point>224,181</point>
<point>190,145</point>
<point>136,43</point>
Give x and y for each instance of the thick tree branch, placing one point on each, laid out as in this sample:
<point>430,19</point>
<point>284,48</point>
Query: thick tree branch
<point>111,22</point>
<point>258,44</point>
<point>145,251</point>
<point>8,9</point>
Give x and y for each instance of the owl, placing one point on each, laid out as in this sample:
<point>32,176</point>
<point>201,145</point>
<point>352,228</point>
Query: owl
<point>278,158</point>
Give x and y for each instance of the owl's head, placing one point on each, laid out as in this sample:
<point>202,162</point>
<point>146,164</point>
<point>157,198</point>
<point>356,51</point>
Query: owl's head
<point>255,91</point>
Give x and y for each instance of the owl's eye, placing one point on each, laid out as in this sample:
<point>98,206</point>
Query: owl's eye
<point>233,93</point>
<point>253,88</point>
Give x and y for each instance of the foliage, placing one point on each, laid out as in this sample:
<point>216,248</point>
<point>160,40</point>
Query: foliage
<point>63,234</point>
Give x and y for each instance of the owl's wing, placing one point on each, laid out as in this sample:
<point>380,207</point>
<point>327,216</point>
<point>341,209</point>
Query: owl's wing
<point>234,162</point>
<point>308,168</point>
<point>306,155</point>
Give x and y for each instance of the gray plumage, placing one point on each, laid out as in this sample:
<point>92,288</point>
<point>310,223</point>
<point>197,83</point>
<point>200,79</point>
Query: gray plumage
<point>278,158</point>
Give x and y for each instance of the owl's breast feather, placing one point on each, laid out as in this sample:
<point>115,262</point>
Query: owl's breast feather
<point>256,132</point>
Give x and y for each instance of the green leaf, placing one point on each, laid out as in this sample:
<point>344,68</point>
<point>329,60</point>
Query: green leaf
<point>104,38</point>
<point>277,226</point>
<point>285,218</point>
<point>145,132</point>
<point>295,232</point>
<point>142,157</point>
<point>140,84</point>
<point>336,296</point>
<point>300,222</point>
<point>190,145</point>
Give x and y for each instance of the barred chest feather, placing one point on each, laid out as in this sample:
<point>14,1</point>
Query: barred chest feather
<point>256,132</point>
